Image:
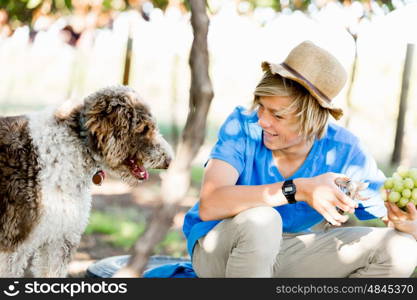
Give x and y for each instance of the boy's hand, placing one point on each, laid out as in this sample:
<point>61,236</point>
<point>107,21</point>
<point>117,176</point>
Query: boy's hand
<point>405,221</point>
<point>323,194</point>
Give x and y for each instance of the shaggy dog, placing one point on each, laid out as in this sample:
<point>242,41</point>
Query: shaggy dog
<point>47,162</point>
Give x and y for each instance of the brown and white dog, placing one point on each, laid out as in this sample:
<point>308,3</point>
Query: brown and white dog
<point>47,161</point>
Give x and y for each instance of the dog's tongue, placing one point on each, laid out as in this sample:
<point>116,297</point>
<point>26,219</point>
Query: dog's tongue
<point>139,172</point>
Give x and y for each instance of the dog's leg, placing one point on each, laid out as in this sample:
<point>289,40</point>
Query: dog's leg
<point>14,264</point>
<point>52,259</point>
<point>5,268</point>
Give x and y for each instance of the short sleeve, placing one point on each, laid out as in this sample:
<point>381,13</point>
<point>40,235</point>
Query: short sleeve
<point>363,167</point>
<point>230,146</point>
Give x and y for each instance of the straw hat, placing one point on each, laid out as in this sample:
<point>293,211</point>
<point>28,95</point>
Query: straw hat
<point>315,69</point>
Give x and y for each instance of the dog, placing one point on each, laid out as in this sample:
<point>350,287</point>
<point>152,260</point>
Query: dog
<point>47,162</point>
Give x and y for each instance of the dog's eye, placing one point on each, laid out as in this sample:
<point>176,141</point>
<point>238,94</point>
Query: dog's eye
<point>145,129</point>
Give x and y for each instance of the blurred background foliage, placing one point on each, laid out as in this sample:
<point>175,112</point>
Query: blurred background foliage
<point>26,11</point>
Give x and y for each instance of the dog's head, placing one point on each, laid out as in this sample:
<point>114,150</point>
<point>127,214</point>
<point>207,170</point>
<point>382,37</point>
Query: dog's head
<point>124,135</point>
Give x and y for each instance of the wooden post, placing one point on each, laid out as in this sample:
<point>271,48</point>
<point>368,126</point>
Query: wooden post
<point>352,79</point>
<point>174,102</point>
<point>128,57</point>
<point>399,134</point>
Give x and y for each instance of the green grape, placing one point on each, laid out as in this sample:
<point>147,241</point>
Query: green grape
<point>403,171</point>
<point>397,176</point>
<point>394,197</point>
<point>401,187</point>
<point>406,193</point>
<point>414,194</point>
<point>402,202</point>
<point>408,183</point>
<point>413,174</point>
<point>398,185</point>
<point>389,183</point>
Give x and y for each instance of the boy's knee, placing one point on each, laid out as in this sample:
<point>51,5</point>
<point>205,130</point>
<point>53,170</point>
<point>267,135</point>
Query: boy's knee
<point>261,216</point>
<point>259,223</point>
<point>401,252</point>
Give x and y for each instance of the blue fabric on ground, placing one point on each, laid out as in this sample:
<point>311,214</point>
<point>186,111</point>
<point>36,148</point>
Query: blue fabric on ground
<point>174,270</point>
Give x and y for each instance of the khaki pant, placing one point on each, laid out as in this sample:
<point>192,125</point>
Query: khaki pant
<point>252,244</point>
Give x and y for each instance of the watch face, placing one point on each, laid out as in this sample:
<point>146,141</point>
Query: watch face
<point>288,189</point>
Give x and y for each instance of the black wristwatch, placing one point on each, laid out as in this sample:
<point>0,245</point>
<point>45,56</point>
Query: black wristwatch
<point>289,189</point>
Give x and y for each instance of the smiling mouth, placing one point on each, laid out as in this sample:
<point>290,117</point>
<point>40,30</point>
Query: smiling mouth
<point>270,133</point>
<point>136,170</point>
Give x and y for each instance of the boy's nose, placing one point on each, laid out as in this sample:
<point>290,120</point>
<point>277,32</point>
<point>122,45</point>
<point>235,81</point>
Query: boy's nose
<point>263,122</point>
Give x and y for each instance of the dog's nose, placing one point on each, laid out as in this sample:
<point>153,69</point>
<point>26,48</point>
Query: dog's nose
<point>166,152</point>
<point>168,161</point>
<point>164,164</point>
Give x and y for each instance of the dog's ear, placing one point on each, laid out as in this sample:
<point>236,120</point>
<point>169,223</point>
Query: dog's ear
<point>109,125</point>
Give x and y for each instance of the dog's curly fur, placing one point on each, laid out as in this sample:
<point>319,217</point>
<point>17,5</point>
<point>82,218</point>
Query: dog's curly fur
<point>19,186</point>
<point>47,160</point>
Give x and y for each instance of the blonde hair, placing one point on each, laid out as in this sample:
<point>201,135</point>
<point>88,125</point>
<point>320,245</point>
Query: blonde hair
<point>312,118</point>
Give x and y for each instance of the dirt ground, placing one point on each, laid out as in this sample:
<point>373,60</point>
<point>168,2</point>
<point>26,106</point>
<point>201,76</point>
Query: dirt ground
<point>114,194</point>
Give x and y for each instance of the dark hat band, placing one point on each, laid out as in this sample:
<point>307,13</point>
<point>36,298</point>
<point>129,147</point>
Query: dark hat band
<point>310,85</point>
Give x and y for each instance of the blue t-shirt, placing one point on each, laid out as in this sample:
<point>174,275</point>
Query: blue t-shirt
<point>240,144</point>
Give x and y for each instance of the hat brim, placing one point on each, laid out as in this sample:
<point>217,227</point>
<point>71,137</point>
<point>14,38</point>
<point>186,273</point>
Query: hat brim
<point>336,112</point>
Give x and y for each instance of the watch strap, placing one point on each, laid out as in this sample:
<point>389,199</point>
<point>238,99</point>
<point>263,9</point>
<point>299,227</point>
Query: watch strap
<point>289,195</point>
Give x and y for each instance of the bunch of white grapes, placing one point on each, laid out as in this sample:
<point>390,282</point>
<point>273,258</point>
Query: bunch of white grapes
<point>401,188</point>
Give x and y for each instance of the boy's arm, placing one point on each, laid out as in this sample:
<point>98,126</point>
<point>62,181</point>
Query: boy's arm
<point>221,198</point>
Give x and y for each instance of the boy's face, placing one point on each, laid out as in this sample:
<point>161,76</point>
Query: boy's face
<point>280,130</point>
